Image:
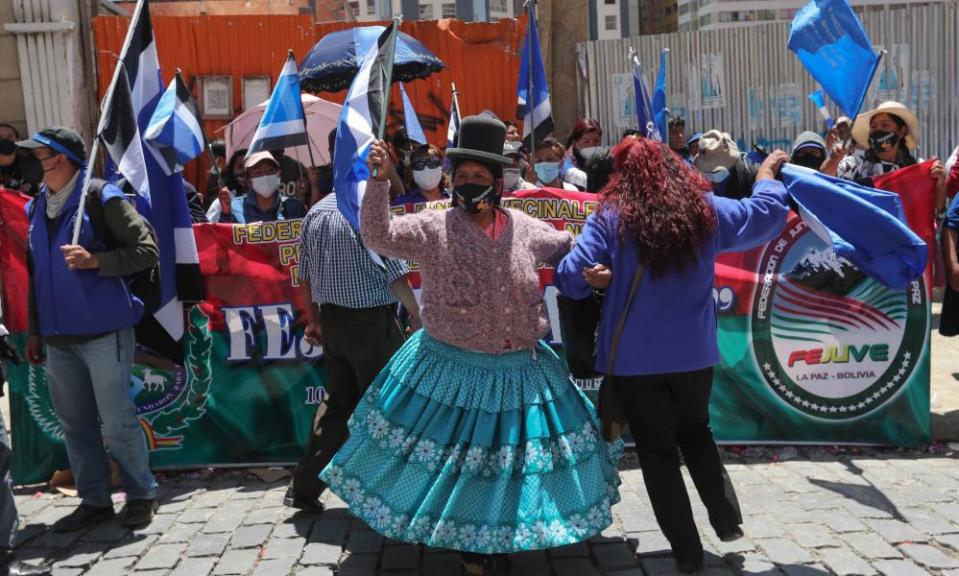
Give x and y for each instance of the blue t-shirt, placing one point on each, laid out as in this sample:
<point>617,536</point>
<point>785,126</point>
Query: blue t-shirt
<point>952,215</point>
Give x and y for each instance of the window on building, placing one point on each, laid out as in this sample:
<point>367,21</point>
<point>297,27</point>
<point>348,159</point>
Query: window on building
<point>497,6</point>
<point>355,10</point>
<point>610,1</point>
<point>371,7</point>
<point>726,16</point>
<point>449,10</point>
<point>684,27</point>
<point>766,15</point>
<point>611,23</point>
<point>426,11</point>
<point>684,9</point>
<point>705,20</point>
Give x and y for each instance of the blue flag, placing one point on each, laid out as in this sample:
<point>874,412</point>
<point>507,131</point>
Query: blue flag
<point>828,38</point>
<point>360,121</point>
<point>535,109</point>
<point>175,128</point>
<point>819,100</point>
<point>282,124</point>
<point>864,225</point>
<point>413,129</point>
<point>659,99</point>
<point>163,202</point>
<point>645,120</point>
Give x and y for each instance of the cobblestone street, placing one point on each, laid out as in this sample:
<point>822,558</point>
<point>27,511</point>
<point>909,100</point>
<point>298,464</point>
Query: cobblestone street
<point>808,511</point>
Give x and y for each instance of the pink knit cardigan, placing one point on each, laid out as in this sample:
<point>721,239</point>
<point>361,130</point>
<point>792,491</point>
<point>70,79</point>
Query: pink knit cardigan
<point>478,294</point>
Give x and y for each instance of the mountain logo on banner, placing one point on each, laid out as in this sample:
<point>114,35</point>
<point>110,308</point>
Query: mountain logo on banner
<point>167,401</point>
<point>828,340</point>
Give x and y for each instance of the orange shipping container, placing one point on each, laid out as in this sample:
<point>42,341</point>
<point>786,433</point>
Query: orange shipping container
<point>481,58</point>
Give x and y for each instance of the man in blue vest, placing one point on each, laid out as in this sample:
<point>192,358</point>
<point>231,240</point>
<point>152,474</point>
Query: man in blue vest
<point>82,311</point>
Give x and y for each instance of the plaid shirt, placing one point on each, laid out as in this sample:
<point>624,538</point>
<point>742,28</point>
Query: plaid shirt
<point>337,264</point>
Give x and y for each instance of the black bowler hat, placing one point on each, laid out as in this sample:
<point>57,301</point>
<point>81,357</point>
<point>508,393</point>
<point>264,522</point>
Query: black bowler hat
<point>480,138</point>
<point>59,139</point>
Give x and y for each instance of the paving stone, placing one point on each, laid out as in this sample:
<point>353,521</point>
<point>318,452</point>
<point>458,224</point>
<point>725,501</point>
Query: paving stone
<point>317,571</point>
<point>650,543</point>
<point>578,550</point>
<point>57,540</point>
<point>236,562</point>
<point>133,546</point>
<point>783,551</point>
<point>612,556</point>
<point>812,535</point>
<point>225,521</point>
<point>898,568</point>
<point>207,544</point>
<point>895,531</point>
<point>198,515</point>
<point>524,564</point>
<point>447,563</point>
<point>283,548</point>
<point>180,533</point>
<point>840,521</point>
<point>161,556</point>
<point>110,567</point>
<point>195,567</point>
<point>296,527</point>
<point>929,556</point>
<point>574,567</point>
<point>870,545</point>
<point>763,526</point>
<point>110,531</point>
<point>161,523</point>
<point>321,553</point>
<point>264,516</point>
<point>800,570</point>
<point>400,558</point>
<point>67,571</point>
<point>845,561</point>
<point>80,557</point>
<point>757,565</point>
<point>364,542</point>
<point>250,536</point>
<point>275,567</point>
<point>950,540</point>
<point>358,565</point>
<point>928,521</point>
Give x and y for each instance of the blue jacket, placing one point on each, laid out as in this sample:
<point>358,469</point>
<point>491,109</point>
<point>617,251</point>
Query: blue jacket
<point>75,302</point>
<point>245,210</point>
<point>672,323</point>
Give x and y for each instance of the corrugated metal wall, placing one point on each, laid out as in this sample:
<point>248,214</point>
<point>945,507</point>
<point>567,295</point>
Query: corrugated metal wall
<point>763,87</point>
<point>481,58</point>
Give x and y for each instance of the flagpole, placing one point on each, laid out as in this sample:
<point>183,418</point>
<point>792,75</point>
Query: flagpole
<point>530,98</point>
<point>309,147</point>
<point>388,89</point>
<point>456,103</point>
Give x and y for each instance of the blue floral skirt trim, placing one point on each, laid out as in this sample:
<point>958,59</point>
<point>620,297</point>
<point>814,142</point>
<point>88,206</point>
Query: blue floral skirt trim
<point>476,452</point>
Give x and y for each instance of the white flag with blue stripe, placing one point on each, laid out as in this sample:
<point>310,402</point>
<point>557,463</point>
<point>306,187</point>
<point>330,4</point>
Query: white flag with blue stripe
<point>414,131</point>
<point>282,124</point>
<point>175,126</point>
<point>360,120</point>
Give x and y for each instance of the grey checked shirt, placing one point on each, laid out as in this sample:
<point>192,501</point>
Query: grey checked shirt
<point>337,264</point>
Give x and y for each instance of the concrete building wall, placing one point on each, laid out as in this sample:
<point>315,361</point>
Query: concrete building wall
<point>608,19</point>
<point>11,87</point>
<point>719,14</point>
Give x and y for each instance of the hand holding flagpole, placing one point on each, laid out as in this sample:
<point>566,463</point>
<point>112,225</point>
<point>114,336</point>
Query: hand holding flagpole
<point>390,45</point>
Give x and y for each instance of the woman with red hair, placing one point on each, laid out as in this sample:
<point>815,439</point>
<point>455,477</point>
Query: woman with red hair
<point>651,245</point>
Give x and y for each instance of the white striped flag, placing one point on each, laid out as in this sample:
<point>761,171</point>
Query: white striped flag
<point>414,131</point>
<point>819,100</point>
<point>163,199</point>
<point>361,120</point>
<point>121,137</point>
<point>283,122</point>
<point>175,128</point>
<point>534,109</point>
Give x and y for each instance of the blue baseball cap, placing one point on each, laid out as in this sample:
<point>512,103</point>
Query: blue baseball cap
<point>59,139</point>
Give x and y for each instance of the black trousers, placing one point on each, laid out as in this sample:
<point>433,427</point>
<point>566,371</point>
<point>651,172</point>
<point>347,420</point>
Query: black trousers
<point>357,344</point>
<point>669,414</point>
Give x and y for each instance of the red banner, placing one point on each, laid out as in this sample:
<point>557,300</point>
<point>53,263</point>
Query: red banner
<point>13,258</point>
<point>917,189</point>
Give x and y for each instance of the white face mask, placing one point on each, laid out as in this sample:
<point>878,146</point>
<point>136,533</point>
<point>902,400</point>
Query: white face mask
<point>428,178</point>
<point>510,178</point>
<point>265,186</point>
<point>588,153</point>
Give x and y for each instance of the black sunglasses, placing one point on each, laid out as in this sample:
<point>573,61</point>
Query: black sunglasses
<point>424,164</point>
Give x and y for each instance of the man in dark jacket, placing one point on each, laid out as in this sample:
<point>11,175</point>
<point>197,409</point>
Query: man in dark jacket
<point>82,309</point>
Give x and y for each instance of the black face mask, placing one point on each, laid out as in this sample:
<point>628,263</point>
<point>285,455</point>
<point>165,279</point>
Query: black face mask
<point>30,169</point>
<point>881,141</point>
<point>7,147</point>
<point>474,198</point>
<point>811,161</point>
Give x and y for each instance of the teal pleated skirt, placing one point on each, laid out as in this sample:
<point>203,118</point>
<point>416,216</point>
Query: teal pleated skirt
<point>476,452</point>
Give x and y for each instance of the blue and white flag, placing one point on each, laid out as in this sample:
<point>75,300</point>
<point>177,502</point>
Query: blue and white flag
<point>121,137</point>
<point>864,225</point>
<point>660,112</point>
<point>535,109</point>
<point>645,120</point>
<point>819,100</point>
<point>175,128</point>
<point>413,129</point>
<point>828,38</point>
<point>163,199</point>
<point>360,121</point>
<point>282,124</point>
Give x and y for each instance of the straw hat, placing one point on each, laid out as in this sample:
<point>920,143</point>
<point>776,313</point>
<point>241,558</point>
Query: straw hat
<point>860,128</point>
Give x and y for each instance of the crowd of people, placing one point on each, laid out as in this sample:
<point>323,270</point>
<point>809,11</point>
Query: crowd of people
<point>460,429</point>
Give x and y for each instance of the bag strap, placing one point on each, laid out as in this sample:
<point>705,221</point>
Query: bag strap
<point>621,325</point>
